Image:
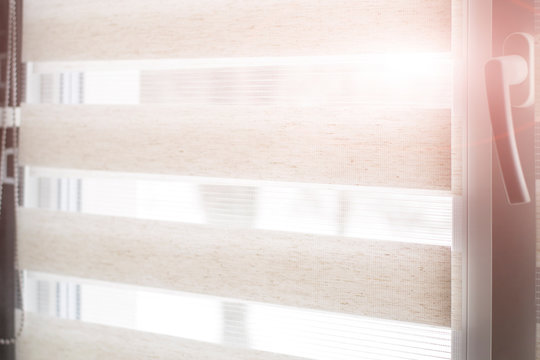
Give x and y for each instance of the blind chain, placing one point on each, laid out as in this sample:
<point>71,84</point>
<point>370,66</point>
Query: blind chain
<point>11,87</point>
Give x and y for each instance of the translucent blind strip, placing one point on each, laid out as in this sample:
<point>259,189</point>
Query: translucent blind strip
<point>82,30</point>
<point>341,145</point>
<point>383,79</point>
<point>229,323</point>
<point>391,214</point>
<point>402,281</point>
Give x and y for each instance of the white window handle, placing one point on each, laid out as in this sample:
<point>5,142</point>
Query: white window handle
<point>515,68</point>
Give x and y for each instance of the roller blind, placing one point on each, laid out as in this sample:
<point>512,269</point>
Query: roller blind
<point>223,179</point>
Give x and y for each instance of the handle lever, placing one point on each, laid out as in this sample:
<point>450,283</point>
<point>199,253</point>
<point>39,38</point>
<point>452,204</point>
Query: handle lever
<point>502,73</point>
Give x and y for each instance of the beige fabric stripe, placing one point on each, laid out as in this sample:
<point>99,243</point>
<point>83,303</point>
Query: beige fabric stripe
<point>47,338</point>
<point>137,29</point>
<point>408,282</point>
<point>343,145</point>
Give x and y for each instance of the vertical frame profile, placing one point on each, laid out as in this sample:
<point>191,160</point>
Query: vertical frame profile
<point>478,189</point>
<point>501,237</point>
<point>514,226</point>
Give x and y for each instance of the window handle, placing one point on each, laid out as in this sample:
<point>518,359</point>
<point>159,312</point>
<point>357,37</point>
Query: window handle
<point>510,84</point>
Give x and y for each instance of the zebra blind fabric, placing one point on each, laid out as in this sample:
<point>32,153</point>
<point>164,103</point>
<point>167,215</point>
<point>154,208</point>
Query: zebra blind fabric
<point>292,164</point>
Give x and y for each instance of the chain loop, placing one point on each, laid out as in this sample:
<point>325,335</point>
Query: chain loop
<point>11,86</point>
